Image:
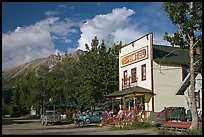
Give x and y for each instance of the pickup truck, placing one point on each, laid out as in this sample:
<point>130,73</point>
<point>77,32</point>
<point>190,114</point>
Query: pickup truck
<point>51,117</point>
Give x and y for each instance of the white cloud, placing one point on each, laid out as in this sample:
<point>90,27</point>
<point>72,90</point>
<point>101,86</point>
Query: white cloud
<point>51,13</point>
<point>34,41</point>
<point>116,26</point>
<point>62,6</point>
<point>104,26</point>
<point>68,41</point>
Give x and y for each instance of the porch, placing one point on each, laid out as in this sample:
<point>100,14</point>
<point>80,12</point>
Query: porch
<point>133,100</point>
<point>178,126</point>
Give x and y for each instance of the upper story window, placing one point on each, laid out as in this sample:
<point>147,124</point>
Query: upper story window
<point>143,67</point>
<point>125,77</point>
<point>133,75</point>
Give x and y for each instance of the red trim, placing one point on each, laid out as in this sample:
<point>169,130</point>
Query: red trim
<point>133,79</point>
<point>143,70</point>
<point>183,125</point>
<point>151,58</point>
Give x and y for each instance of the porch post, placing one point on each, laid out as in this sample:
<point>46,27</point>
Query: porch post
<point>112,105</point>
<point>134,103</point>
<point>124,104</point>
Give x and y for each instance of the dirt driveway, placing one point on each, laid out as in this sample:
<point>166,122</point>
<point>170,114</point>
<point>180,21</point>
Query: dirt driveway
<point>34,127</point>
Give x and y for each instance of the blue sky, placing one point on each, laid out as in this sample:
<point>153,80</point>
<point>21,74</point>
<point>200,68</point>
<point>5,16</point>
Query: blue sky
<point>32,30</point>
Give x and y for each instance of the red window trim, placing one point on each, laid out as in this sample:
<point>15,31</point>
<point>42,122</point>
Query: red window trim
<point>125,78</point>
<point>142,67</point>
<point>133,79</point>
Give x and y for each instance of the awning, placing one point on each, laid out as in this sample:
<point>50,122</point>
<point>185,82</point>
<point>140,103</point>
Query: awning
<point>129,91</point>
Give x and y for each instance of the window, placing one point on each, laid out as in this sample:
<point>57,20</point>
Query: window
<point>144,72</point>
<point>133,75</point>
<point>125,77</point>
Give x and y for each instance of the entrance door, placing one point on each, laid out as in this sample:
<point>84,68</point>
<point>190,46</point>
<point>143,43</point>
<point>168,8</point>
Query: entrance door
<point>140,103</point>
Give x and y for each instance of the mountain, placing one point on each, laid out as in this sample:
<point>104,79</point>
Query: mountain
<point>9,77</point>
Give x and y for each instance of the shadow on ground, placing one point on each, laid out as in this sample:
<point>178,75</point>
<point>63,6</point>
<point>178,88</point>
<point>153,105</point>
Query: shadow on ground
<point>10,121</point>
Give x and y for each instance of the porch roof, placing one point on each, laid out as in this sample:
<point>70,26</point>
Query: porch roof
<point>129,91</point>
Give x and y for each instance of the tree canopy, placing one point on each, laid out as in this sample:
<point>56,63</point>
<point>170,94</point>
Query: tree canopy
<point>71,84</point>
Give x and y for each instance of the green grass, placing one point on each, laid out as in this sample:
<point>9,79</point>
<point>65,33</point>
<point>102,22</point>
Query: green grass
<point>187,132</point>
<point>136,125</point>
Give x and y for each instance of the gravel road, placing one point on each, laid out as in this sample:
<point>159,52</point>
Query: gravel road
<point>34,127</point>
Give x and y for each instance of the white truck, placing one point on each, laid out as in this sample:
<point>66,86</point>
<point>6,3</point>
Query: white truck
<point>51,117</point>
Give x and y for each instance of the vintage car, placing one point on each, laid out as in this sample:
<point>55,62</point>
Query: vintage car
<point>51,117</point>
<point>90,117</point>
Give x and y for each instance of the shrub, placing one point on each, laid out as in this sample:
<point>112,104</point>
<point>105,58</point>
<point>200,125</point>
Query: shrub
<point>68,118</point>
<point>166,132</point>
<point>5,109</point>
<point>16,111</point>
<point>194,131</point>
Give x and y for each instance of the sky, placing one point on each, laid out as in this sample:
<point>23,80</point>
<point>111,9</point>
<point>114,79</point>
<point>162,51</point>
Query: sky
<point>32,30</point>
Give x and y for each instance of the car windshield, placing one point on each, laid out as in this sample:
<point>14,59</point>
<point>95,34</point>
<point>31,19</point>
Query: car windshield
<point>94,113</point>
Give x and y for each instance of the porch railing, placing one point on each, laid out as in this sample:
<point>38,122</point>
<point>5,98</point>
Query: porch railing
<point>128,82</point>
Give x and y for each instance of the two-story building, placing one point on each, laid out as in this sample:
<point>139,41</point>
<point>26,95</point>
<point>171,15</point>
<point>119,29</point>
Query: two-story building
<point>149,75</point>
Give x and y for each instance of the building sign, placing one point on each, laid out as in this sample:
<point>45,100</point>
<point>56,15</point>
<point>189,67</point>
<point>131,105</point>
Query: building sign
<point>136,56</point>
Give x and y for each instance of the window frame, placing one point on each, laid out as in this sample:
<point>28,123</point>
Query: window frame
<point>144,71</point>
<point>134,73</point>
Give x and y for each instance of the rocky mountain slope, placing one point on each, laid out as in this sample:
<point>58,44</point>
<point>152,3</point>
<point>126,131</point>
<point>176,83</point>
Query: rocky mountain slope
<point>8,77</point>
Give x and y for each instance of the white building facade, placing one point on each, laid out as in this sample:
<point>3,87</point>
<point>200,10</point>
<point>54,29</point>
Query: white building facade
<point>149,75</point>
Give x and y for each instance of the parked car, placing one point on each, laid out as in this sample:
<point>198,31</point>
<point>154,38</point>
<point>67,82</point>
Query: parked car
<point>50,116</point>
<point>90,117</point>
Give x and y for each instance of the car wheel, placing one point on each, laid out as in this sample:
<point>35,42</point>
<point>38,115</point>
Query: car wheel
<point>88,121</point>
<point>81,123</point>
<point>46,123</point>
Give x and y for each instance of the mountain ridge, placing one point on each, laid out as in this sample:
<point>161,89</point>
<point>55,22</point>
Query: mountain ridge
<point>25,68</point>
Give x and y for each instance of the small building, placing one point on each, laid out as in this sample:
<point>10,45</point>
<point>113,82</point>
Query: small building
<point>149,75</point>
<point>184,85</point>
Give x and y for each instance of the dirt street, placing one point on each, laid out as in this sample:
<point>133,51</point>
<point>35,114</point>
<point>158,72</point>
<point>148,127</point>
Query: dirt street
<point>34,127</point>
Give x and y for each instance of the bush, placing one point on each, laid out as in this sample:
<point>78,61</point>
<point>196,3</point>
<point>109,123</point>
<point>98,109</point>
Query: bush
<point>166,132</point>
<point>5,109</point>
<point>193,132</point>
<point>135,125</point>
<point>68,118</point>
<point>16,111</point>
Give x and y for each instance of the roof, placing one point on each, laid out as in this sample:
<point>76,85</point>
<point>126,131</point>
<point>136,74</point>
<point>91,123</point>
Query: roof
<point>129,91</point>
<point>171,55</point>
<point>185,83</point>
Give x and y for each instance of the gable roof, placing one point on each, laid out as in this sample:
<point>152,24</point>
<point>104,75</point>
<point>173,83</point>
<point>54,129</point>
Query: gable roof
<point>171,55</point>
<point>185,83</point>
